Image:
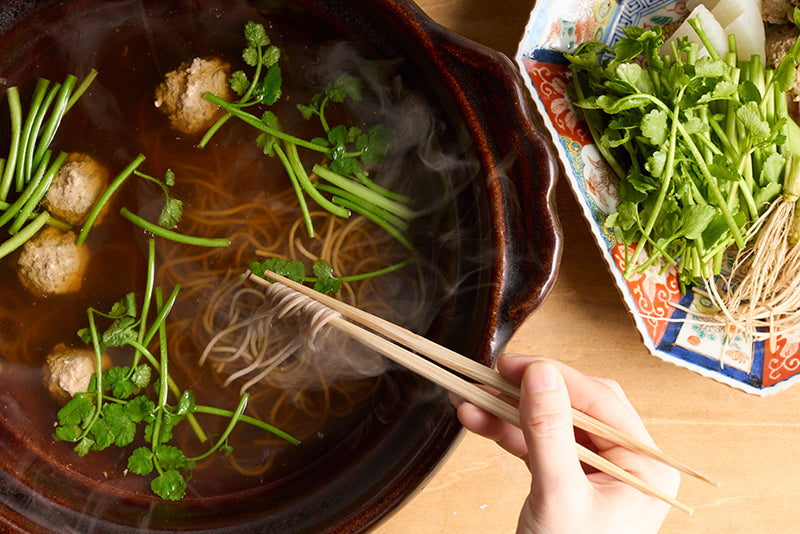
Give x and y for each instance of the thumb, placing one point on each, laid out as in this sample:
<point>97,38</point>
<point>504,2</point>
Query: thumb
<point>546,422</point>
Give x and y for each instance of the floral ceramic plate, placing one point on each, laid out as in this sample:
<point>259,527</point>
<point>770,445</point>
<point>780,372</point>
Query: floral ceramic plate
<point>654,297</point>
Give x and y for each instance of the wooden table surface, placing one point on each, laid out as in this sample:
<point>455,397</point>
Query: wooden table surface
<point>750,443</point>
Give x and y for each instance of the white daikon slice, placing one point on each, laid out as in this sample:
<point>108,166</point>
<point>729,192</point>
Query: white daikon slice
<point>712,28</point>
<point>726,11</point>
<point>691,4</point>
<point>749,36</point>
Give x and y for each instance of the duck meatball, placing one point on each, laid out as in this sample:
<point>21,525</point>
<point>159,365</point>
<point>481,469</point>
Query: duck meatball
<point>68,371</point>
<point>76,188</point>
<point>52,264</point>
<point>180,95</point>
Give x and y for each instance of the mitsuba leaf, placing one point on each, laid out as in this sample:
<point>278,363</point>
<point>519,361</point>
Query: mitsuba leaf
<point>269,90</point>
<point>170,457</point>
<point>255,34</point>
<point>170,486</point>
<point>239,82</point>
<point>722,168</point>
<point>750,116</point>
<point>772,170</point>
<point>345,86</point>
<point>141,375</point>
<point>185,403</point>
<point>140,461</point>
<point>140,409</point>
<point>636,101</point>
<point>695,219</point>
<point>748,92</point>
<point>68,433</point>
<point>654,126</point>
<point>171,213</point>
<point>374,144</point>
<point>78,410</point>
<point>326,282</point>
<point>642,182</point>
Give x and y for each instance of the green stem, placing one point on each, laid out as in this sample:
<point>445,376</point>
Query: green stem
<point>106,196</point>
<point>235,417</point>
<point>12,210</point>
<point>98,360</point>
<point>41,113</point>
<point>372,274</point>
<point>15,109</point>
<point>380,190</point>
<point>257,123</point>
<point>298,190</point>
<point>662,192</point>
<point>24,170</point>
<point>87,81</point>
<point>363,192</point>
<point>382,223</point>
<point>308,187</point>
<point>714,188</point>
<point>21,237</point>
<point>59,109</point>
<point>172,235</point>
<point>249,420</point>
<point>365,206</point>
<point>38,193</point>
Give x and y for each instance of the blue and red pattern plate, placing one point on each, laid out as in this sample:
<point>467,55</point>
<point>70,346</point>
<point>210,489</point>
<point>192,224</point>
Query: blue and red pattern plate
<point>654,298</point>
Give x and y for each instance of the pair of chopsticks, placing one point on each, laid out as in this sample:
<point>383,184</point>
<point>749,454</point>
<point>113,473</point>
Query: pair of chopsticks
<point>481,374</point>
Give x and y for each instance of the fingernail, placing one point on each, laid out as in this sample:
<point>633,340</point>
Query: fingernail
<point>542,377</point>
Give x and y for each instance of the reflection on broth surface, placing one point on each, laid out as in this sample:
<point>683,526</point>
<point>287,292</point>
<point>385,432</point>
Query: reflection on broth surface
<point>336,401</point>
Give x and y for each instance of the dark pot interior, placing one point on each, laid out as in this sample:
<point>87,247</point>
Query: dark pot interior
<point>503,246</point>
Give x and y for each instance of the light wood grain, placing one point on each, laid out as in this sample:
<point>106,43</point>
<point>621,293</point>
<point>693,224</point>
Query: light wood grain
<point>750,443</point>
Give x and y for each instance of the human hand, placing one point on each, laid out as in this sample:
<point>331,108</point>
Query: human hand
<point>565,499</point>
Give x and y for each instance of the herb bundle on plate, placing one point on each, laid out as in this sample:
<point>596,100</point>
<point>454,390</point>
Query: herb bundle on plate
<point>705,152</point>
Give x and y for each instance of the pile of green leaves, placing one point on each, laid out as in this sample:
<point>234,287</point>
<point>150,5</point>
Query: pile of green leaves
<point>28,169</point>
<point>700,144</point>
<point>339,183</point>
<point>123,399</point>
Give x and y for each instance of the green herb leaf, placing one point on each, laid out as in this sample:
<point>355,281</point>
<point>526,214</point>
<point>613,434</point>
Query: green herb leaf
<point>169,486</point>
<point>78,410</point>
<point>140,462</point>
<point>326,281</point>
<point>185,403</point>
<point>140,409</point>
<point>344,87</point>
<point>239,82</point>
<point>654,126</point>
<point>171,213</point>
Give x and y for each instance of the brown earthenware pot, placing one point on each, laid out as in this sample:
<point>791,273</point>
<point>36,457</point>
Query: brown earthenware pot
<point>506,249</point>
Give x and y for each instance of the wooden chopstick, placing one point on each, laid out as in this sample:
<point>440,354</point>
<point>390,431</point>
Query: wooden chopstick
<point>471,391</point>
<point>479,372</point>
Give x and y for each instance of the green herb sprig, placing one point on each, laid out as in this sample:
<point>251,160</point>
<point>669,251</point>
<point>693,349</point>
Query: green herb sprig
<point>122,399</point>
<point>169,217</point>
<point>323,278</point>
<point>345,152</point>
